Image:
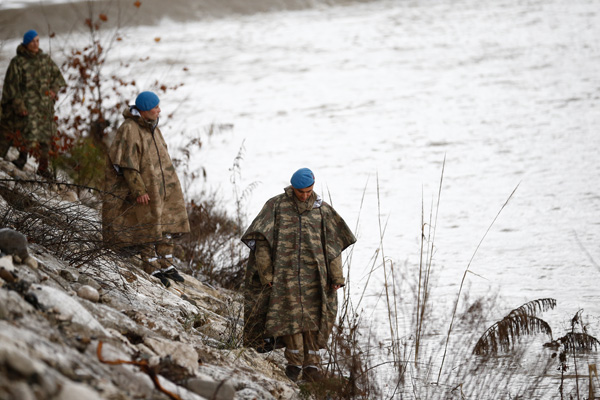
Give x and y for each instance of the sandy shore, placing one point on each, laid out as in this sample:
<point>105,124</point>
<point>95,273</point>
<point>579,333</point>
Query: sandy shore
<point>71,16</point>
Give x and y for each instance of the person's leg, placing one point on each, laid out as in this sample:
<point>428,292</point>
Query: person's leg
<point>312,358</point>
<point>43,160</point>
<point>21,160</point>
<point>149,258</point>
<point>294,355</point>
<point>164,251</point>
<point>6,142</point>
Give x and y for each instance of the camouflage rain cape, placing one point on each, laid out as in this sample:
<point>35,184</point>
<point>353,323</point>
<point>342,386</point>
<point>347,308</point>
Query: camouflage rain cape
<point>302,246</point>
<point>27,83</point>
<point>141,147</point>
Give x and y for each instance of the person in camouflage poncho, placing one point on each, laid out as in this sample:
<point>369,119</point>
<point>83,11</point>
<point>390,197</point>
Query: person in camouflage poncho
<point>293,272</point>
<point>31,85</point>
<point>143,205</point>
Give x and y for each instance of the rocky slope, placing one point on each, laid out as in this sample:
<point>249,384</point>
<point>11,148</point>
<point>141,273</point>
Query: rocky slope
<point>96,326</point>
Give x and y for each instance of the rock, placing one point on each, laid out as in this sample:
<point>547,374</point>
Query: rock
<point>6,262</point>
<point>21,390</point>
<point>13,304</point>
<point>20,362</point>
<point>77,391</point>
<point>4,310</point>
<point>68,275</point>
<point>7,276</point>
<point>68,307</point>
<point>14,243</point>
<point>86,280</point>
<point>88,293</point>
<point>181,354</point>
<point>69,195</point>
<point>11,154</point>
<point>210,389</point>
<point>31,262</point>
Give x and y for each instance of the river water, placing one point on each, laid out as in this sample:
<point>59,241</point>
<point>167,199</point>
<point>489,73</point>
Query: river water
<point>374,97</point>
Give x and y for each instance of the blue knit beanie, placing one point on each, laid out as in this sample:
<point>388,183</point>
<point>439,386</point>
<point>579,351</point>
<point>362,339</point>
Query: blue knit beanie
<point>302,178</point>
<point>29,36</point>
<point>146,101</point>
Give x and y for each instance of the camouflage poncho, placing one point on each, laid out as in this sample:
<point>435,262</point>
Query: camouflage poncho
<point>302,247</point>
<point>27,83</point>
<point>140,147</point>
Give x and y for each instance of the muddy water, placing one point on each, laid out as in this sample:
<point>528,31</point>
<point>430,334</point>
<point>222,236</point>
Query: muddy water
<point>374,97</point>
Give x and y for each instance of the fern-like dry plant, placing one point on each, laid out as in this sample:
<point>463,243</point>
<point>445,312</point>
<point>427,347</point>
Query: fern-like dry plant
<point>519,322</point>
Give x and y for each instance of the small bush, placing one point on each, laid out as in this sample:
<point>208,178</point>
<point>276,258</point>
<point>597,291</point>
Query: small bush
<point>212,251</point>
<point>84,163</point>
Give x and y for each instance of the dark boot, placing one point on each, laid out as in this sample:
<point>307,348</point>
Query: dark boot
<point>21,161</point>
<point>292,372</point>
<point>43,169</point>
<point>163,279</point>
<point>172,274</point>
<point>311,374</point>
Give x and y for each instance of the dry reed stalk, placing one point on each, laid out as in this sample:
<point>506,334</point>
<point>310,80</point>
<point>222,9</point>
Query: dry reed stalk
<point>465,276</point>
<point>391,307</point>
<point>592,371</point>
<point>424,276</point>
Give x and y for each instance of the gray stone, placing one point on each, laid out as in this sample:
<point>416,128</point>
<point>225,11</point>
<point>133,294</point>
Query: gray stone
<point>13,303</point>
<point>69,196</point>
<point>13,243</point>
<point>86,280</point>
<point>182,354</point>
<point>7,264</point>
<point>31,262</point>
<point>68,275</point>
<point>211,389</point>
<point>20,390</point>
<point>4,310</point>
<point>68,308</point>
<point>88,293</point>
<point>77,391</point>
<point>20,362</point>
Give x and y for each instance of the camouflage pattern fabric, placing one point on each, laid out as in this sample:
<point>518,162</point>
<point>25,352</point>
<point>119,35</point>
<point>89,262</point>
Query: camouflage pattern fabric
<point>27,84</point>
<point>302,247</point>
<point>140,147</point>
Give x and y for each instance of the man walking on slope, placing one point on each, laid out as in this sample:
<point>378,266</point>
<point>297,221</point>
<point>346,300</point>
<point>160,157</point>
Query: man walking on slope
<point>293,273</point>
<point>31,87</point>
<point>144,205</point>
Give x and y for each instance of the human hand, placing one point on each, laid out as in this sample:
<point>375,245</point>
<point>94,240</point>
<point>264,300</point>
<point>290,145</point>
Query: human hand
<point>143,199</point>
<point>52,94</point>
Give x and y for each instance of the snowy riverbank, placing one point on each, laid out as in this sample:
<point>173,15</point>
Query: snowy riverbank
<point>59,321</point>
